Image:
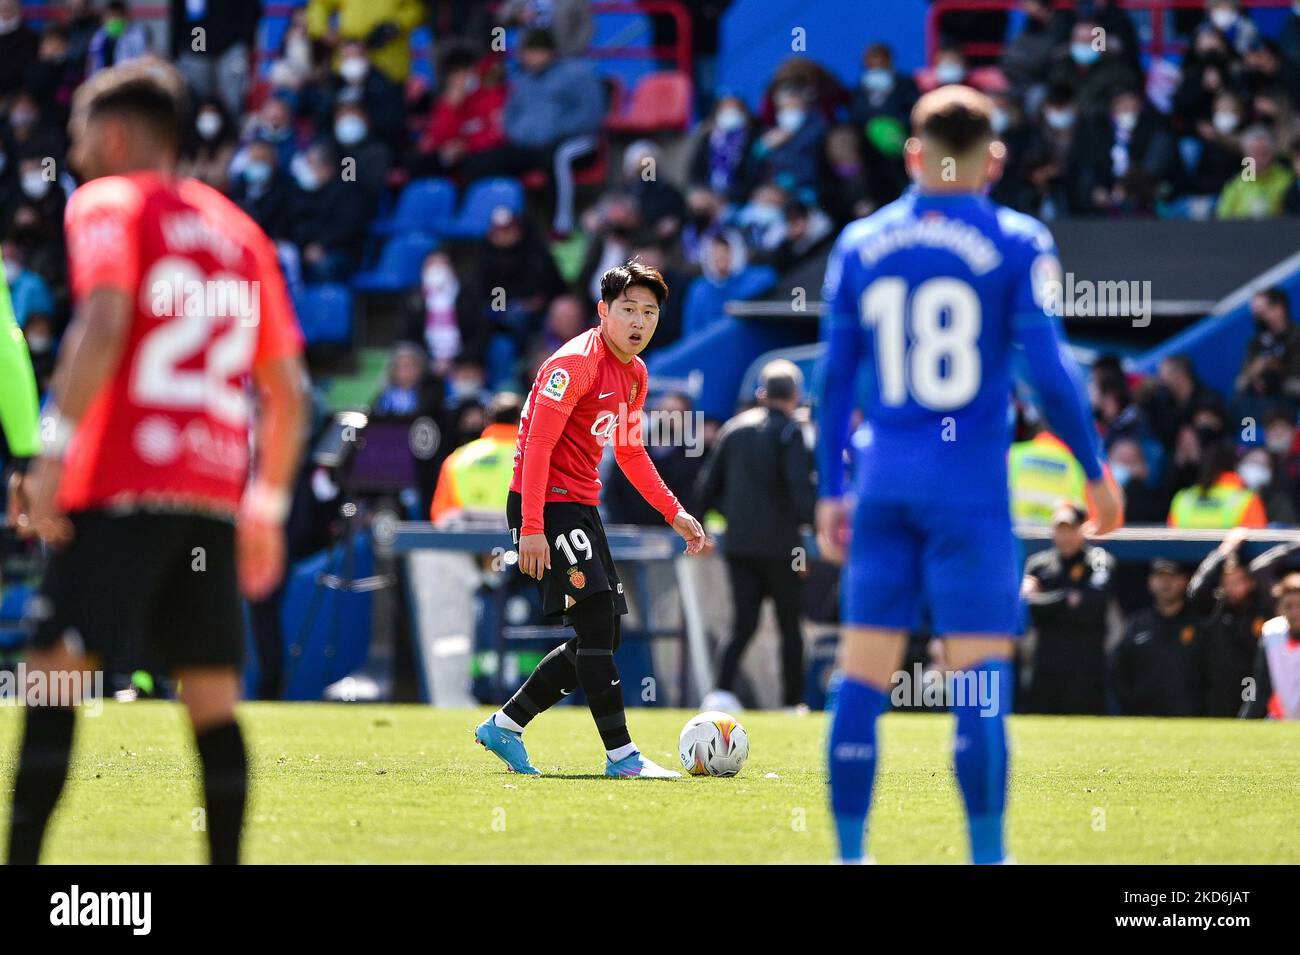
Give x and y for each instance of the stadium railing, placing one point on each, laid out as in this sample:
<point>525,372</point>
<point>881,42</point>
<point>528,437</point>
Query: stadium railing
<point>632,545</point>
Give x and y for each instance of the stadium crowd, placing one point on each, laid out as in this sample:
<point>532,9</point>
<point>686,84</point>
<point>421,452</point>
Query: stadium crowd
<point>319,137</point>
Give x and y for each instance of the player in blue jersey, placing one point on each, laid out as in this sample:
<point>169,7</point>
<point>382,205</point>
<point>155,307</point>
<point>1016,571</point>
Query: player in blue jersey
<point>929,301</point>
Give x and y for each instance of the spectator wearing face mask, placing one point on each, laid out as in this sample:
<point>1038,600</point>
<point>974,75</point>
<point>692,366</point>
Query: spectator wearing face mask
<point>1220,499</point>
<point>1280,439</point>
<point>41,188</point>
<point>444,315</point>
<point>209,145</point>
<point>118,40</point>
<point>262,188</point>
<point>1145,501</point>
<point>1225,18</point>
<point>1125,151</point>
<point>720,151</point>
<point>222,69</point>
<point>42,347</point>
<point>328,216</point>
<point>1213,156</point>
<point>381,28</point>
<point>1261,195</point>
<point>1024,144</point>
<point>789,153</point>
<point>353,139</point>
<point>355,81</point>
<point>1049,191</point>
<point>881,111</point>
<point>1257,473</point>
<point>30,132</point>
<point>1090,69</point>
<point>18,46</point>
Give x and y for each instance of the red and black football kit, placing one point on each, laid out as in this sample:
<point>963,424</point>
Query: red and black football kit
<point>583,399</point>
<point>157,466</point>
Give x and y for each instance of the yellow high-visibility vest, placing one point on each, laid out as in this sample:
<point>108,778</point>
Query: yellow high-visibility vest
<point>1227,504</point>
<point>1042,473</point>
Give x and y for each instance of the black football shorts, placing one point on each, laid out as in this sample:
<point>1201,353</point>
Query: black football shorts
<point>162,581</point>
<point>581,564</point>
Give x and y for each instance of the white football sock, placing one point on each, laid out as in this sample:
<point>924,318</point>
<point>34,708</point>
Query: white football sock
<point>623,752</point>
<point>505,722</point>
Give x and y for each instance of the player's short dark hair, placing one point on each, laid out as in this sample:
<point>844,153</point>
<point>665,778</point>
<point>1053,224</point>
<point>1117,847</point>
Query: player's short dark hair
<point>632,274</point>
<point>146,89</point>
<point>956,118</point>
<point>504,408</point>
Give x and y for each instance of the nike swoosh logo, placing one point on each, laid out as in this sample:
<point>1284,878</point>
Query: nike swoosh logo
<point>606,394</point>
<point>615,682</point>
<point>564,692</point>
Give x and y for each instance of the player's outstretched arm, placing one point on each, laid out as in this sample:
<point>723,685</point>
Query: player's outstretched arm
<point>277,448</point>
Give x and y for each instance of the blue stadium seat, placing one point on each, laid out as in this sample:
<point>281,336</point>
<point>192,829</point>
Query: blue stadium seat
<point>476,208</point>
<point>399,264</point>
<point>325,313</point>
<point>12,600</point>
<point>425,205</point>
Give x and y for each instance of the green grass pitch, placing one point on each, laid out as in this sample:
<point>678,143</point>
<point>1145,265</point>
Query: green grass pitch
<point>406,784</point>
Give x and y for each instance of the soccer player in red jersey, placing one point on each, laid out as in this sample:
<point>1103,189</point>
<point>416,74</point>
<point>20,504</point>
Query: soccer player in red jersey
<point>140,485</point>
<point>590,393</point>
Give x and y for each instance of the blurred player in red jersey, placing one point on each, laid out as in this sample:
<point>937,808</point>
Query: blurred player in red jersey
<point>590,393</point>
<point>140,486</point>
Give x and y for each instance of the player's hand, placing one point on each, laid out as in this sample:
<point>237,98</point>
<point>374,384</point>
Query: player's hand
<point>832,528</point>
<point>259,555</point>
<point>18,511</point>
<point>534,555</point>
<point>45,517</point>
<point>1107,502</point>
<point>697,542</point>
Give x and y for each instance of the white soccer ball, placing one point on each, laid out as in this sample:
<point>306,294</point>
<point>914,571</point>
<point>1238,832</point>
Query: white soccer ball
<point>713,744</point>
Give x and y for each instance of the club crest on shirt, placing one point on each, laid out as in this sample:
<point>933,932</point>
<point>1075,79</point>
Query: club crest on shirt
<point>557,384</point>
<point>577,578</point>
